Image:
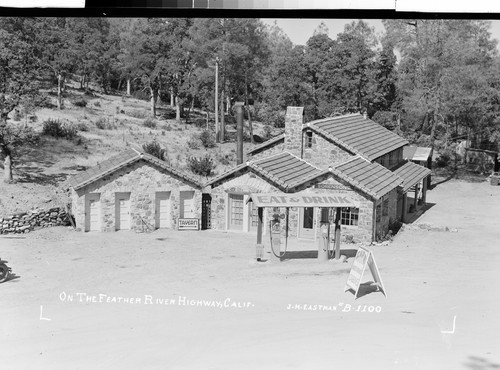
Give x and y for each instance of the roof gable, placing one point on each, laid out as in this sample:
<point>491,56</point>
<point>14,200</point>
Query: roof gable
<point>121,160</point>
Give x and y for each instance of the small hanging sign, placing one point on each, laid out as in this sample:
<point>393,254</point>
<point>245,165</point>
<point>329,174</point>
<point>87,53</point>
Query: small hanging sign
<point>364,257</point>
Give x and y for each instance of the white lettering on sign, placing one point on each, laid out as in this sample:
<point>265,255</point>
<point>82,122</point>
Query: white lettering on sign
<point>302,200</point>
<point>189,224</point>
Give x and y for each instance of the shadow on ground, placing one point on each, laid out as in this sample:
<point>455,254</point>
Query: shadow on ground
<point>479,363</point>
<point>366,288</point>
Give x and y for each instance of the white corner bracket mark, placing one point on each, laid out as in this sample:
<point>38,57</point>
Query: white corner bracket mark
<point>452,331</point>
<point>41,314</point>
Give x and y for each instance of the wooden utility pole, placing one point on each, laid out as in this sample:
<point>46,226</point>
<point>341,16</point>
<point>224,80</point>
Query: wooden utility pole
<point>217,100</point>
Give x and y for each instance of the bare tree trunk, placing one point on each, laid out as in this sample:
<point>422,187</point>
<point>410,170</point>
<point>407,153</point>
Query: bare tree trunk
<point>154,94</point>
<point>250,125</point>
<point>128,86</point>
<point>171,97</point>
<point>222,123</point>
<point>7,168</point>
<point>5,150</point>
<point>177,109</point>
<point>60,79</point>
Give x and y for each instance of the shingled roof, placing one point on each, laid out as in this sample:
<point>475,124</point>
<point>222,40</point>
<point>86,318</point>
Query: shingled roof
<point>121,160</point>
<point>283,169</point>
<point>359,135</point>
<point>411,173</point>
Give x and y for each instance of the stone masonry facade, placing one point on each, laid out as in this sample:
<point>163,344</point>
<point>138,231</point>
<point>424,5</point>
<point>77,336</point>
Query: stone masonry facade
<point>294,120</point>
<point>246,184</point>
<point>323,153</point>
<point>142,180</point>
<point>364,230</point>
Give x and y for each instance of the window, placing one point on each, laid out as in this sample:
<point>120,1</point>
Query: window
<point>309,139</point>
<point>385,207</point>
<point>349,216</point>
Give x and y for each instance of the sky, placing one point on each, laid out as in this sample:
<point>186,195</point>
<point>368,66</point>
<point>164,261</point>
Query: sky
<point>300,30</point>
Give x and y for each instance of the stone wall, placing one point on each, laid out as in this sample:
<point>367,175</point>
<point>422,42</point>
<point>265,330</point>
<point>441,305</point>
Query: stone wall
<point>323,153</point>
<point>383,219</point>
<point>142,180</point>
<point>34,219</point>
<point>364,230</point>
<point>245,183</point>
<point>293,130</point>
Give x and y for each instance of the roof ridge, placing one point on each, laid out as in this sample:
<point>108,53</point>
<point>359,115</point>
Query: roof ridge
<point>301,159</point>
<point>350,160</point>
<point>332,118</point>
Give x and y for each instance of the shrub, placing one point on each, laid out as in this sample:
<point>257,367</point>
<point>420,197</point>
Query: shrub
<point>155,150</point>
<point>101,123</point>
<point>57,129</point>
<point>226,159</point>
<point>207,139</point>
<point>201,166</point>
<point>167,127</point>
<point>443,160</point>
<point>149,122</point>
<point>97,103</point>
<point>270,115</point>
<point>194,142</point>
<point>81,126</point>
<point>80,103</point>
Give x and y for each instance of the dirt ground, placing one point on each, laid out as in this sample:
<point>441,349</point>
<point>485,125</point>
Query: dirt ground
<point>199,300</point>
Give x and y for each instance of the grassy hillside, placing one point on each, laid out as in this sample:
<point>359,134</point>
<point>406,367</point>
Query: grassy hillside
<point>106,125</point>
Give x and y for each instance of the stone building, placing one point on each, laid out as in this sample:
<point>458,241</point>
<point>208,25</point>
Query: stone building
<point>340,156</point>
<point>134,191</point>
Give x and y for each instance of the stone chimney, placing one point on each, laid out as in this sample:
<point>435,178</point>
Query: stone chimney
<point>294,121</point>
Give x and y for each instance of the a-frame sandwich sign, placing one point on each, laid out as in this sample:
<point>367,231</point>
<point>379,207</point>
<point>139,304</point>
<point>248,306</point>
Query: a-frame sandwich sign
<point>364,257</point>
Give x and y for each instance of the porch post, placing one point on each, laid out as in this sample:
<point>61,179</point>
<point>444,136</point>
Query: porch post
<point>424,191</point>
<point>260,222</point>
<point>415,200</point>
<point>337,233</point>
<point>405,207</point>
<point>259,246</point>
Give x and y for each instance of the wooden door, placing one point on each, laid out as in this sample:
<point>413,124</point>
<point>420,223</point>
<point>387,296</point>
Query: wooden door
<point>163,210</point>
<point>93,212</point>
<point>122,219</point>
<point>236,211</point>
<point>307,222</point>
<point>187,204</point>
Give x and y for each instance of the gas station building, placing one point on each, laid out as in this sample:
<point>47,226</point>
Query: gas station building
<point>346,170</point>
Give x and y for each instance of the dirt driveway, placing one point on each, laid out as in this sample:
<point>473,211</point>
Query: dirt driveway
<point>198,300</point>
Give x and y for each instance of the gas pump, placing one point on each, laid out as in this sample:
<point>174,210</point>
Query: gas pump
<point>275,226</point>
<point>323,241</point>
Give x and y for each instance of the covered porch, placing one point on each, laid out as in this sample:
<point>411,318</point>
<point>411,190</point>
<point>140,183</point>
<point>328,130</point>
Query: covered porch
<point>413,190</point>
<point>280,246</point>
